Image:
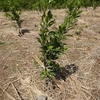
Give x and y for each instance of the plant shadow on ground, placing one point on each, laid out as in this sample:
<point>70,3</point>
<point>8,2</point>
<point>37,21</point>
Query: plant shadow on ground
<point>24,31</point>
<point>63,73</point>
<point>66,71</point>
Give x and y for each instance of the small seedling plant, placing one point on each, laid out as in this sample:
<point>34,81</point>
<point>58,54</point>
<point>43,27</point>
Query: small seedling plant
<point>52,41</point>
<point>1,43</point>
<point>14,14</point>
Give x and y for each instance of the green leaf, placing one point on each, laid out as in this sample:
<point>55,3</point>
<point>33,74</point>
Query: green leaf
<point>43,76</point>
<point>35,62</point>
<point>1,43</point>
<point>49,16</point>
<point>51,73</point>
<point>50,47</point>
<point>51,23</point>
<point>66,47</point>
<point>43,3</point>
<point>39,40</point>
<point>49,61</point>
<point>79,12</point>
<point>51,1</point>
<point>52,33</point>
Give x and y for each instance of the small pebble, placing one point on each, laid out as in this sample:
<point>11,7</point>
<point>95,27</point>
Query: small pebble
<point>42,97</point>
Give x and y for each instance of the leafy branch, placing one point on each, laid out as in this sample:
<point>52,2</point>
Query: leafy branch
<point>52,41</point>
<point>14,14</point>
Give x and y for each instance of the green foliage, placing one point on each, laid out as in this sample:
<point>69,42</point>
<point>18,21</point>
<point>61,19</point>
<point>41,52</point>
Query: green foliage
<point>73,14</point>
<point>23,4</point>
<point>52,45</point>
<point>47,74</point>
<point>14,14</point>
<point>1,43</point>
<point>52,41</point>
<point>36,4</point>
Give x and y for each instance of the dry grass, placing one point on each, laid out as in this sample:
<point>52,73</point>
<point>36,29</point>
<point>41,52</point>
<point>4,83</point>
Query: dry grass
<point>20,78</point>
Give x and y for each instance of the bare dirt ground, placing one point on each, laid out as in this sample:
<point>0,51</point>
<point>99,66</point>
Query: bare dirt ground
<point>20,77</point>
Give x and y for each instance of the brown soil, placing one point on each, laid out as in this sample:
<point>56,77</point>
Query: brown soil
<point>20,77</point>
